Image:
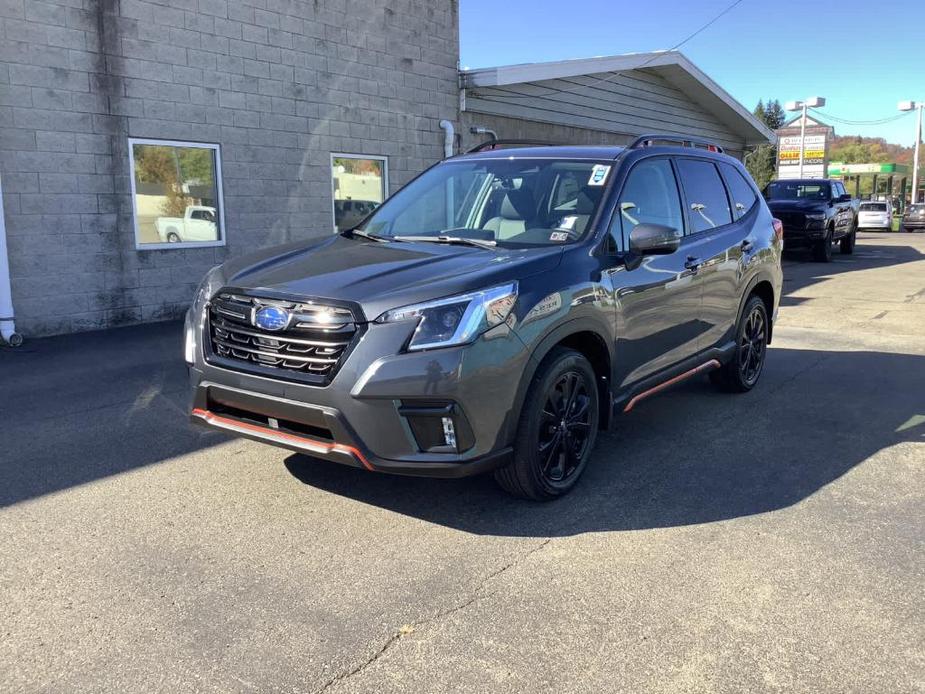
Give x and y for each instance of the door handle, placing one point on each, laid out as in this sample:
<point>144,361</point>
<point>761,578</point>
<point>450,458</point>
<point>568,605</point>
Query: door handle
<point>692,263</point>
<point>746,246</point>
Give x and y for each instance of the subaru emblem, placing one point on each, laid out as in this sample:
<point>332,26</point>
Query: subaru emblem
<point>272,318</point>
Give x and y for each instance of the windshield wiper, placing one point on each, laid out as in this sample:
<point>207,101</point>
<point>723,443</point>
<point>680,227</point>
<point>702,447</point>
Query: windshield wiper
<point>461,240</point>
<point>350,233</point>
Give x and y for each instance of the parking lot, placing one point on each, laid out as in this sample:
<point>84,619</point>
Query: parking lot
<point>766,542</point>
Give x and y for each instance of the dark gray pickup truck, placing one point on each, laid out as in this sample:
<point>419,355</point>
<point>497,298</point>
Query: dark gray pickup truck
<point>816,213</point>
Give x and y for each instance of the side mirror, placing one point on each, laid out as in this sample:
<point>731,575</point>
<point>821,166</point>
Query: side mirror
<point>654,239</point>
<point>844,198</point>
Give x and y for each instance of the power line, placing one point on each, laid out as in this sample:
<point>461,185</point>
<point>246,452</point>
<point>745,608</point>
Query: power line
<point>846,121</point>
<point>600,80</point>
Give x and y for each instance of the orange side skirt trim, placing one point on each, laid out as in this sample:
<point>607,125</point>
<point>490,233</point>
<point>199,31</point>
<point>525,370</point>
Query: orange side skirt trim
<point>712,364</point>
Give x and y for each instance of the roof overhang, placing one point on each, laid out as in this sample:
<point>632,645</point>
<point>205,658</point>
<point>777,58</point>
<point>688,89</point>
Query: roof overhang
<point>673,66</point>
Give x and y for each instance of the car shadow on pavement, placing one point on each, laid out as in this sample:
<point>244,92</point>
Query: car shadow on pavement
<point>800,271</point>
<point>81,407</point>
<point>692,455</point>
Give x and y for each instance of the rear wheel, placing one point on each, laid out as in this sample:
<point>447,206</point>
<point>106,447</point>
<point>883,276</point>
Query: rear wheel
<point>822,250</point>
<point>173,237</point>
<point>557,429</point>
<point>741,373</point>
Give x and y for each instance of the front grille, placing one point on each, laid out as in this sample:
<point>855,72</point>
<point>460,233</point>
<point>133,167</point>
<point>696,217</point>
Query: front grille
<point>310,348</point>
<point>792,220</point>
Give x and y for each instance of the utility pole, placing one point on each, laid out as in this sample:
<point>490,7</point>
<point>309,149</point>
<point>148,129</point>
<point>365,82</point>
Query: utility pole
<point>908,106</point>
<point>810,102</point>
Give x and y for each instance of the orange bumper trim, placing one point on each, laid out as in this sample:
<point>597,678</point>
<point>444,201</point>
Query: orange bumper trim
<point>303,442</point>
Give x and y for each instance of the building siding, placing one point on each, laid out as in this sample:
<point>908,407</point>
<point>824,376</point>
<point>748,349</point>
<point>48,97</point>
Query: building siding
<point>625,104</point>
<point>278,84</point>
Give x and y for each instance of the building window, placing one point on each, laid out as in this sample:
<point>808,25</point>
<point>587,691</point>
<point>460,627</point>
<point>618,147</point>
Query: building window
<point>360,184</point>
<point>176,194</point>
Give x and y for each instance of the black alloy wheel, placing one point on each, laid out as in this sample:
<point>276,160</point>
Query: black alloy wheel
<point>564,433</point>
<point>752,345</point>
<point>742,371</point>
<point>556,430</point>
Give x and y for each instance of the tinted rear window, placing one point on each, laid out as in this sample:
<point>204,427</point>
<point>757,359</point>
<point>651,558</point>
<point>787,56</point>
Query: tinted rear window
<point>707,203</point>
<point>873,207</point>
<point>742,194</point>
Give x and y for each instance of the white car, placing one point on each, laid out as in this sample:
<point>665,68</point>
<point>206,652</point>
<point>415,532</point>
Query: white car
<point>876,215</point>
<point>197,224</point>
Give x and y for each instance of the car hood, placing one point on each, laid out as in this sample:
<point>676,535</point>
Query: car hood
<point>381,276</point>
<point>805,206</point>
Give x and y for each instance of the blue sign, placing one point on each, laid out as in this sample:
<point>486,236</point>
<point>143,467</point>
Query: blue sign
<point>272,318</point>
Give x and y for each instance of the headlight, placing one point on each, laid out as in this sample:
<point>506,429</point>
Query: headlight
<point>193,325</point>
<point>815,217</point>
<point>455,320</point>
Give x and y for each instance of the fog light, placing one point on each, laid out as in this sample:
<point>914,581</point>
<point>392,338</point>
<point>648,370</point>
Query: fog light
<point>449,432</point>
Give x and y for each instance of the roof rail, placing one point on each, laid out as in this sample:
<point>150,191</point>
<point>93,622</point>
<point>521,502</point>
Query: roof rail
<point>493,144</point>
<point>683,140</point>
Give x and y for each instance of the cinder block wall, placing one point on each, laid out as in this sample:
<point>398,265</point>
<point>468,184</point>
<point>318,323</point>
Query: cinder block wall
<point>279,84</point>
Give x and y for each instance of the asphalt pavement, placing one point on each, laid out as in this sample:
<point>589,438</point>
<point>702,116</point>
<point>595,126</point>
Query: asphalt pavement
<point>768,542</point>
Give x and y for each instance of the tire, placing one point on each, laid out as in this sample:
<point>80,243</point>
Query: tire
<point>822,250</point>
<point>846,245</point>
<point>742,372</point>
<point>173,237</point>
<point>554,438</point>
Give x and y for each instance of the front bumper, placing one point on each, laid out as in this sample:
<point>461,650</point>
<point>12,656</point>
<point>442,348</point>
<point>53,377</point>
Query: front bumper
<point>802,237</point>
<point>369,415</point>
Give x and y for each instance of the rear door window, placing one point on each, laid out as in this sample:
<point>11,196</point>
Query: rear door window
<point>742,194</point>
<point>707,204</point>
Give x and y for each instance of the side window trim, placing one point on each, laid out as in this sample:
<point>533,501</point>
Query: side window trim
<point>687,205</point>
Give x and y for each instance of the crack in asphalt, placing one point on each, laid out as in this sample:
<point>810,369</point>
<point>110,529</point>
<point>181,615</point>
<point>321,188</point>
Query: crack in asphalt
<point>395,637</point>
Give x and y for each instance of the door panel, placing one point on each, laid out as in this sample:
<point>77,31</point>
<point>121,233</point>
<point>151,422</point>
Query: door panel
<point>658,302</point>
<point>720,276</point>
<point>658,315</point>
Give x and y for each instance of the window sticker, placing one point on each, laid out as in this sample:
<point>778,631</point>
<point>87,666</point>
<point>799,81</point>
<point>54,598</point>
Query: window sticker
<point>598,175</point>
<point>568,223</point>
<point>558,236</point>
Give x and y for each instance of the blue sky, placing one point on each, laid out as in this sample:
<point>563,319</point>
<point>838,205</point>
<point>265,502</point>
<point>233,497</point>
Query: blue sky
<point>862,56</point>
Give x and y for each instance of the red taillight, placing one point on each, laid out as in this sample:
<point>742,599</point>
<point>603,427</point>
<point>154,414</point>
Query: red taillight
<point>778,229</point>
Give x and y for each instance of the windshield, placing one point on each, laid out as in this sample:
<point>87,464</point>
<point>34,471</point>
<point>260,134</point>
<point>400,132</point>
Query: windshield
<point>873,207</point>
<point>794,190</point>
<point>510,202</point>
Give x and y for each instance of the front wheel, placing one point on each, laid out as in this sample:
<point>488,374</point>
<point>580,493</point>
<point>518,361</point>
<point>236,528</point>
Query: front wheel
<point>846,245</point>
<point>822,251</point>
<point>741,373</point>
<point>557,429</point>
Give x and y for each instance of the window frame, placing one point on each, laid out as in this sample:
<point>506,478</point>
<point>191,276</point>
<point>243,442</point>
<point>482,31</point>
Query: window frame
<point>345,155</point>
<point>690,233</point>
<point>219,193</point>
<point>616,217</point>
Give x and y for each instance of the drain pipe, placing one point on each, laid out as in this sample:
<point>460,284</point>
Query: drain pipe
<point>449,138</point>
<point>7,326</point>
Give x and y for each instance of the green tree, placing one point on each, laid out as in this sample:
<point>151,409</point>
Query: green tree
<point>774,115</point>
<point>761,162</point>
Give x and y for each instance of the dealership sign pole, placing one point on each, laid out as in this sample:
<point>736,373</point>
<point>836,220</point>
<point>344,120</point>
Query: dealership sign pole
<point>811,102</point>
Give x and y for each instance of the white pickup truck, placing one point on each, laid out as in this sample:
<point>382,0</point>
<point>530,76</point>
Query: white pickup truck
<point>197,224</point>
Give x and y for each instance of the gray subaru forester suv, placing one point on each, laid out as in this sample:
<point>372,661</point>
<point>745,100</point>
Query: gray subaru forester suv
<point>495,313</point>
